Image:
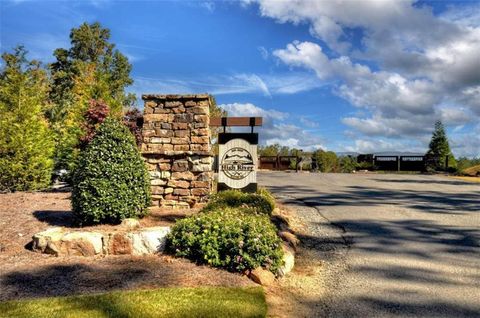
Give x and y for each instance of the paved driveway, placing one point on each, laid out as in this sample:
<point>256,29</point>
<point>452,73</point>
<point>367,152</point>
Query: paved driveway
<point>411,242</point>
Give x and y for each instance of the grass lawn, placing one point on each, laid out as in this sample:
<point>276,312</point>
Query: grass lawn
<point>164,302</point>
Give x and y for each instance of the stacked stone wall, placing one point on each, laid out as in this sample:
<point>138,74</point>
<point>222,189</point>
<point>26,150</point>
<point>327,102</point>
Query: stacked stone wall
<point>176,148</point>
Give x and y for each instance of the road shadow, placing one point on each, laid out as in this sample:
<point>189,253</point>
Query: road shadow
<point>394,308</point>
<point>418,181</point>
<point>427,201</point>
<point>420,256</point>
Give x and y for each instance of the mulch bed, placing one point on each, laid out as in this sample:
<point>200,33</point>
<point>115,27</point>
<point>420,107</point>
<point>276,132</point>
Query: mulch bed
<point>26,274</point>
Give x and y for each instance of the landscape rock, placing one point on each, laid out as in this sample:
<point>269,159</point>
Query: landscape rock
<point>81,243</point>
<point>288,261</point>
<point>48,241</point>
<point>130,224</point>
<point>144,241</point>
<point>118,244</point>
<point>262,276</point>
<point>150,240</point>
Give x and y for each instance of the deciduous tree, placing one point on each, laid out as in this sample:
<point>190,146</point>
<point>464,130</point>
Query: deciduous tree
<point>327,160</point>
<point>91,69</point>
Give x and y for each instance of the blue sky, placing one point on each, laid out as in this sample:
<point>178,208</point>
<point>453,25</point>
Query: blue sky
<point>345,76</point>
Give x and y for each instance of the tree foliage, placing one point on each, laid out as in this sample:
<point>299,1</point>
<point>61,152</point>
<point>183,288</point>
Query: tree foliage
<point>439,147</point>
<point>90,69</point>
<point>215,111</point>
<point>111,181</point>
<point>276,150</point>
<point>465,163</point>
<point>26,145</point>
<point>95,115</point>
<point>327,160</point>
<point>347,164</point>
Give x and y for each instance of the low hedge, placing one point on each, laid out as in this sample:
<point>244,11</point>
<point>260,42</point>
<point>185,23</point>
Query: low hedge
<point>261,202</point>
<point>228,238</point>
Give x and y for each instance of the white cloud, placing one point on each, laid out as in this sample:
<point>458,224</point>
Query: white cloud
<point>408,66</point>
<point>455,115</point>
<point>384,145</point>
<point>466,143</point>
<point>308,122</point>
<point>250,110</point>
<point>275,129</point>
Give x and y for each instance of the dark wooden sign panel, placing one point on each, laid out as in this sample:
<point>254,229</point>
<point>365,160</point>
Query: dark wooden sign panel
<point>236,121</point>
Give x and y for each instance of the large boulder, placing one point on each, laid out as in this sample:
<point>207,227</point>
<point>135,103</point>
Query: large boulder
<point>144,241</point>
<point>119,243</point>
<point>48,241</point>
<point>82,243</point>
<point>150,240</point>
<point>58,242</point>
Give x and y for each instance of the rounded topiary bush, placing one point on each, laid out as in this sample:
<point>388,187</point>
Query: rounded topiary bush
<point>227,238</point>
<point>261,202</point>
<point>111,181</point>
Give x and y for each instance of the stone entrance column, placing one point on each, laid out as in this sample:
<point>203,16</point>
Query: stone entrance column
<point>176,148</point>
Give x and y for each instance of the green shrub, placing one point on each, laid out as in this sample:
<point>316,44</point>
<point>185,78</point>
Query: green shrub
<point>111,181</point>
<point>347,164</point>
<point>227,238</point>
<point>261,202</point>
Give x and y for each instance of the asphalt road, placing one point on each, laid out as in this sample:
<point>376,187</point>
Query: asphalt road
<point>410,244</point>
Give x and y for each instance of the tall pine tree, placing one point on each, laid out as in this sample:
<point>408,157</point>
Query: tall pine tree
<point>26,144</point>
<point>439,148</point>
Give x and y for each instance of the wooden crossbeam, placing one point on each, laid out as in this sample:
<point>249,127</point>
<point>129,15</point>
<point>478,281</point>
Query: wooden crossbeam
<point>236,121</point>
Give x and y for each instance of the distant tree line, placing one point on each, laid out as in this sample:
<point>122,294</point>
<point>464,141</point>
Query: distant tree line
<point>329,161</point>
<point>323,161</point>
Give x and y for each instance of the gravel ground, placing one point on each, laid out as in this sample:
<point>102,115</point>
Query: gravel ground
<point>386,245</point>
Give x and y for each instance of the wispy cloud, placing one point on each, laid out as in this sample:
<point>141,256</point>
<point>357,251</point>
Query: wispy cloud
<point>208,5</point>
<point>40,46</point>
<point>266,85</point>
<point>263,52</point>
<point>309,123</point>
